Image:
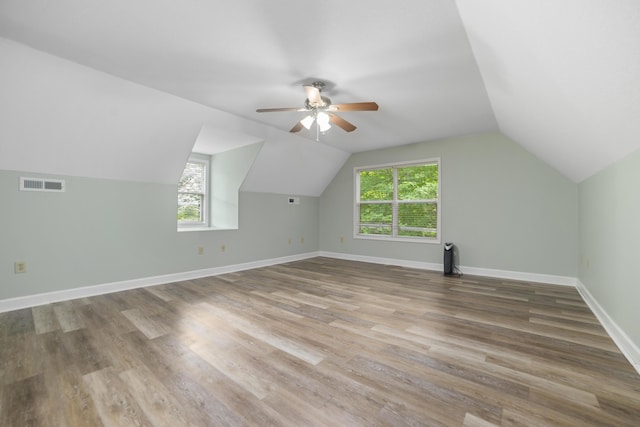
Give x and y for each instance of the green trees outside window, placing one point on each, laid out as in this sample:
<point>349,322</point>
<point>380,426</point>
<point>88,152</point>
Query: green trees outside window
<point>399,201</point>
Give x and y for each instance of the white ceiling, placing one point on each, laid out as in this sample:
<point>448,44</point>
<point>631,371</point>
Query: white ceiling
<point>560,78</point>
<point>563,76</point>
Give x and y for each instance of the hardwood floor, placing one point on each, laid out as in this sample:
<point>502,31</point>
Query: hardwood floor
<point>318,342</point>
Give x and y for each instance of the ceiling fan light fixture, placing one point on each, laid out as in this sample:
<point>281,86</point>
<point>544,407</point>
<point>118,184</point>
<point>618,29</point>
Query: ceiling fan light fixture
<point>307,122</point>
<point>323,121</point>
<point>324,128</point>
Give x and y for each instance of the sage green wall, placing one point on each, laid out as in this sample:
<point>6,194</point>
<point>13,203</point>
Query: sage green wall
<point>502,207</point>
<point>104,231</point>
<point>610,241</point>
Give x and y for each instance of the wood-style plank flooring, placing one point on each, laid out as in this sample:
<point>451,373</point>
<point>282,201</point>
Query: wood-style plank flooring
<point>320,342</point>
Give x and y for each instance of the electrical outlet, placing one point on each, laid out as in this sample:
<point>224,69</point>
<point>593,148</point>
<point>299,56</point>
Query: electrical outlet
<point>341,239</point>
<point>200,250</point>
<point>223,248</point>
<point>289,241</point>
<point>20,267</point>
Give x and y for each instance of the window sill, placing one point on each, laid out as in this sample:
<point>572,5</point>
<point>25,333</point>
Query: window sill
<point>187,229</point>
<point>397,239</point>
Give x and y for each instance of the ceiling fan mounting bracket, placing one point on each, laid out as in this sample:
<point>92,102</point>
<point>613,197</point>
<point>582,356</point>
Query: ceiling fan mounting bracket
<point>318,85</point>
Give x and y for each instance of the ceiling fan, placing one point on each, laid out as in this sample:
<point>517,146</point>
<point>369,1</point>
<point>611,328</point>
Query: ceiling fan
<point>321,111</point>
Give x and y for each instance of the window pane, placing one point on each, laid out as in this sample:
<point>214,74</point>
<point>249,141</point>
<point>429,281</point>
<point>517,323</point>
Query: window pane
<point>376,184</point>
<point>376,230</point>
<point>376,214</point>
<point>190,207</point>
<point>417,219</point>
<point>415,233</point>
<point>418,182</point>
<point>193,178</point>
<point>191,193</point>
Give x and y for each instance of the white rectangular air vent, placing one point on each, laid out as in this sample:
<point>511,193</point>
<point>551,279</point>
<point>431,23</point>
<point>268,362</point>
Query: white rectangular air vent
<point>41,184</point>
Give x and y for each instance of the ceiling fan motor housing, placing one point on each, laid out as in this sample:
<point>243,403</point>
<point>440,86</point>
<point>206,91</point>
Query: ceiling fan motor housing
<point>326,102</point>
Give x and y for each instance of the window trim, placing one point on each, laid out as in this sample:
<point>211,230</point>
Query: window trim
<point>395,202</point>
<point>206,161</point>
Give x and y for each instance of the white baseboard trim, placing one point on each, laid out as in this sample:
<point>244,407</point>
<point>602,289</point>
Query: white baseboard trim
<point>107,288</point>
<point>487,272</point>
<point>628,348</point>
<point>88,291</point>
<point>548,279</point>
<point>384,261</point>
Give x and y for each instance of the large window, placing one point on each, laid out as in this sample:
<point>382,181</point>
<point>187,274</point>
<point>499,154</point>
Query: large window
<point>193,193</point>
<point>399,201</point>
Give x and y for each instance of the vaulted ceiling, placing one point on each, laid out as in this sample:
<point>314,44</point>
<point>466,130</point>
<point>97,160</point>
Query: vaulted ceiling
<point>95,79</point>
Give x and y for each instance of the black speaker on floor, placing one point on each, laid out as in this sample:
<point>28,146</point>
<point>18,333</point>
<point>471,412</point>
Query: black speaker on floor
<point>448,259</point>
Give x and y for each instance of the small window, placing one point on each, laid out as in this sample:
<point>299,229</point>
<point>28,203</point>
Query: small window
<point>399,202</point>
<point>193,193</point>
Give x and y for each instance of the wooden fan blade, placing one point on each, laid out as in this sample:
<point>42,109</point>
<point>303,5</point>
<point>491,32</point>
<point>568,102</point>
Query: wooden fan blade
<point>355,106</point>
<point>273,110</point>
<point>313,95</point>
<point>340,122</point>
<point>297,128</point>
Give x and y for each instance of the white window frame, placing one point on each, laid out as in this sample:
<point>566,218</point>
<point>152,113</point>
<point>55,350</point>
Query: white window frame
<point>395,202</point>
<point>205,160</point>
